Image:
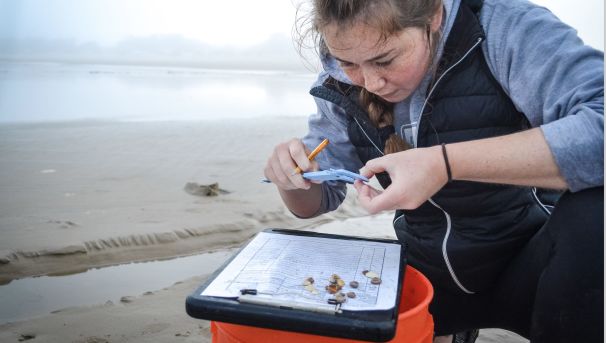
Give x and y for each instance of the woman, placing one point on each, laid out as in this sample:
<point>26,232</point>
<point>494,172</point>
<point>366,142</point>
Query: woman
<point>462,109</point>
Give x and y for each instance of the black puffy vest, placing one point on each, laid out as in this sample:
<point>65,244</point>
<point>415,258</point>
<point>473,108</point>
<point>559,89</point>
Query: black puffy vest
<point>489,223</point>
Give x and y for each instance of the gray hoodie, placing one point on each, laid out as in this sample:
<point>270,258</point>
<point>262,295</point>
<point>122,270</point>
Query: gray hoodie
<point>547,71</point>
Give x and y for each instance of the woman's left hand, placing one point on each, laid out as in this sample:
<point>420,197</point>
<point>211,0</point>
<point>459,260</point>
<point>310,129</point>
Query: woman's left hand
<point>416,175</point>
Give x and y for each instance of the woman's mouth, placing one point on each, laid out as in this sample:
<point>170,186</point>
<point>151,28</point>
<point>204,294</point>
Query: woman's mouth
<point>386,96</point>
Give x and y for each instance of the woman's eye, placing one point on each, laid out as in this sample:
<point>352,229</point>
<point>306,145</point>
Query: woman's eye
<point>346,64</point>
<point>383,63</point>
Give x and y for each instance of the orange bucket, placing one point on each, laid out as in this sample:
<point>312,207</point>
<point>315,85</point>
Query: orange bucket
<point>415,324</point>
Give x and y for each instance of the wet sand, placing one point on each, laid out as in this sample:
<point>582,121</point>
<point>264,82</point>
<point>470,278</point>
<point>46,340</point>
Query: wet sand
<point>90,194</point>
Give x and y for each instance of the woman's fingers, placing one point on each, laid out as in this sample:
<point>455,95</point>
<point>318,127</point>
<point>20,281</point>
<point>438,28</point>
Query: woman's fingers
<point>298,153</point>
<point>376,166</point>
<point>314,166</point>
<point>282,163</point>
<point>374,201</point>
<point>413,179</point>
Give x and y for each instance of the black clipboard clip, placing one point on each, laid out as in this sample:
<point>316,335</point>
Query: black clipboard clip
<point>250,298</point>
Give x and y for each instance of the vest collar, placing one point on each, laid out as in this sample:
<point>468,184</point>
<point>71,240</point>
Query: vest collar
<point>464,34</point>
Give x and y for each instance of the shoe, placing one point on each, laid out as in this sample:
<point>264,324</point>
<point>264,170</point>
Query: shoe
<point>466,336</point>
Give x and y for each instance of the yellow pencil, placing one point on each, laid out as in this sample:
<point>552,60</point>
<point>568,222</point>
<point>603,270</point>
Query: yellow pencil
<point>313,154</point>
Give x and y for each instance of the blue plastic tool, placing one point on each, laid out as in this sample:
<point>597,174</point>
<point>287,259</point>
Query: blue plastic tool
<point>334,175</point>
<point>331,175</point>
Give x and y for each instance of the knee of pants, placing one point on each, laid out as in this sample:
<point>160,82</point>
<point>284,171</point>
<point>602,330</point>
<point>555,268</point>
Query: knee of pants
<point>577,229</point>
<point>579,217</point>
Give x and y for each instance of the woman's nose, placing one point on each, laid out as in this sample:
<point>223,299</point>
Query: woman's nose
<point>373,81</point>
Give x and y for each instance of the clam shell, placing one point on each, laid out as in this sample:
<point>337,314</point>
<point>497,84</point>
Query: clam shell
<point>332,289</point>
<point>375,280</point>
<point>371,274</point>
<point>311,289</point>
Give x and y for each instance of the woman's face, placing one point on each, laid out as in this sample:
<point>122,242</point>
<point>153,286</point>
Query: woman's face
<point>391,68</point>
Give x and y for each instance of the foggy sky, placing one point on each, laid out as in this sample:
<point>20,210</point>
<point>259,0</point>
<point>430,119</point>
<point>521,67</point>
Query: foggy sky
<point>234,33</point>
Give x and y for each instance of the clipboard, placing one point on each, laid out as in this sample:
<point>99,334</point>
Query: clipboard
<point>368,325</point>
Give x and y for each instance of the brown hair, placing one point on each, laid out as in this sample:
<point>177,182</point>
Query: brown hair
<point>389,17</point>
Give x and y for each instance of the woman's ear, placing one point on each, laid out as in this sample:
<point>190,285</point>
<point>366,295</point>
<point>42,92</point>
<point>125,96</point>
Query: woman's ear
<point>436,19</point>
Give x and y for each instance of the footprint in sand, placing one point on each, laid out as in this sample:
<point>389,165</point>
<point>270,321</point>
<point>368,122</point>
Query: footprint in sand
<point>64,224</point>
<point>93,339</point>
<point>155,328</point>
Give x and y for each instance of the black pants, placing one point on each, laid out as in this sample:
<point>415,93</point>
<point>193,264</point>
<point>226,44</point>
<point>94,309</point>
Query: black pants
<point>553,290</point>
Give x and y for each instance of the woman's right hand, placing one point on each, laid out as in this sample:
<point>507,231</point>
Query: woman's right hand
<point>283,161</point>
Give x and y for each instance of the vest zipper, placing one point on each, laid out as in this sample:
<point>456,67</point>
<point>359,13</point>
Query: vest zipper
<point>446,215</point>
<point>367,137</point>
<point>448,222</point>
<point>444,252</point>
<point>544,207</point>
<point>416,136</point>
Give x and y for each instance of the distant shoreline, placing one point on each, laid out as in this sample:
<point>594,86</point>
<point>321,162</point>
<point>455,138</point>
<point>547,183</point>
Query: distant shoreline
<point>187,64</point>
<point>39,90</point>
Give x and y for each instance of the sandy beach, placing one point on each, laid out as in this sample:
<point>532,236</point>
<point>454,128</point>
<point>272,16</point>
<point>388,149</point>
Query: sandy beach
<point>88,194</point>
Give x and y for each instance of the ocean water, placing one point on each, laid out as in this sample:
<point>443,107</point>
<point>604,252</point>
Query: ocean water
<point>38,296</point>
<point>51,92</point>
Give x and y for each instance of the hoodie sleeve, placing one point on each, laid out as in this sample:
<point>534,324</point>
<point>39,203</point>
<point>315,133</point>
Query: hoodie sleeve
<point>330,122</point>
<point>555,80</point>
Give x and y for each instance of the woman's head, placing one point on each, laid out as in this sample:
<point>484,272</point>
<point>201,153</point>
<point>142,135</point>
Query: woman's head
<point>384,46</point>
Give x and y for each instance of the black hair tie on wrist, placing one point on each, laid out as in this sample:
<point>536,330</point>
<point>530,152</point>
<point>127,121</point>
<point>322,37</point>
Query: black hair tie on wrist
<point>448,172</point>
